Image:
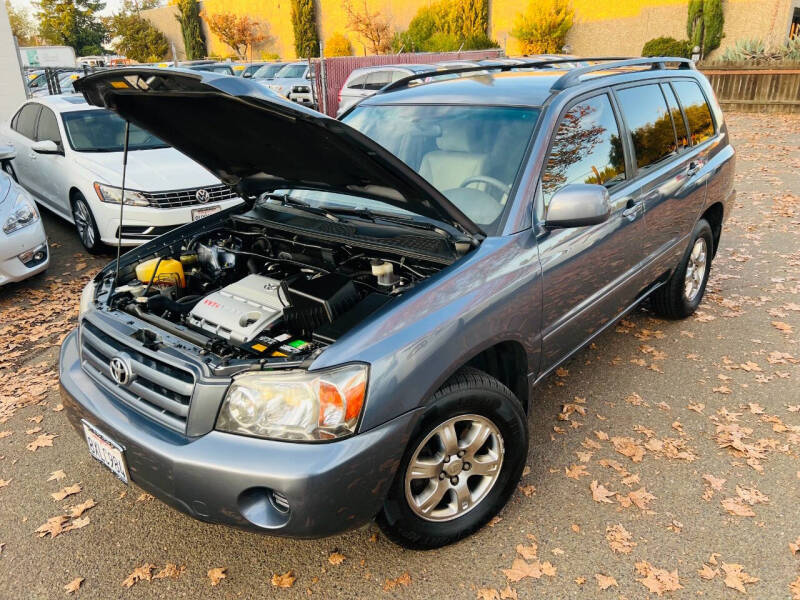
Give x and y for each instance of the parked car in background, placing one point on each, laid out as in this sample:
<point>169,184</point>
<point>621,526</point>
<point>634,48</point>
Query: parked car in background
<point>247,69</point>
<point>364,82</point>
<point>220,68</point>
<point>267,71</point>
<point>65,81</point>
<point>69,157</point>
<point>293,81</point>
<point>397,285</point>
<point>23,243</point>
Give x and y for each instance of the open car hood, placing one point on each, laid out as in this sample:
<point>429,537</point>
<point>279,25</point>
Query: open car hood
<point>253,139</point>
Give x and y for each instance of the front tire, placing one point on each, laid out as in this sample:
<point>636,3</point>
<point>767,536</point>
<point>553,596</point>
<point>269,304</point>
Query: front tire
<point>461,466</point>
<point>680,296</point>
<point>85,224</point>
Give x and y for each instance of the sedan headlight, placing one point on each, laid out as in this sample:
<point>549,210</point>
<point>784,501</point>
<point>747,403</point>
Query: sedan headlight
<point>87,298</point>
<point>295,405</point>
<point>113,195</point>
<point>23,213</point>
<point>301,89</point>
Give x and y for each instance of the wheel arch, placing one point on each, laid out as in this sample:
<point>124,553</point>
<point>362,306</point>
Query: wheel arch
<point>714,215</point>
<point>507,362</point>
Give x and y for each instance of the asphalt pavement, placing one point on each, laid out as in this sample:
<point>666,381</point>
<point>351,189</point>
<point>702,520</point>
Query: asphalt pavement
<point>646,412</point>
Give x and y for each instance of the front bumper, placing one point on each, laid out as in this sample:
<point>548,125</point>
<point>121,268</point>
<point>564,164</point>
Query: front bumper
<point>146,221</point>
<point>229,479</point>
<point>16,243</point>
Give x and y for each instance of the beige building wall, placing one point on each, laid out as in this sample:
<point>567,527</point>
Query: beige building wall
<point>602,27</point>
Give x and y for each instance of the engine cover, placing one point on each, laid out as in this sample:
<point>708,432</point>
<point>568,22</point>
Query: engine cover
<point>239,311</point>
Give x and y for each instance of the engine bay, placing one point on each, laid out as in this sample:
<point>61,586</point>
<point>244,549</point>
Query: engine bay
<point>249,289</point>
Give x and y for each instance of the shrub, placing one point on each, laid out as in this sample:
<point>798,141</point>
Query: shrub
<point>756,51</point>
<point>543,28</point>
<point>304,25</point>
<point>338,45</point>
<point>667,46</point>
<point>704,24</point>
<point>445,26</point>
<point>189,18</point>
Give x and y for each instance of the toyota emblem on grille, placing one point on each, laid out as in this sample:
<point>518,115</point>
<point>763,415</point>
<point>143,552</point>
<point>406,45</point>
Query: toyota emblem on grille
<point>120,370</point>
<point>202,196</point>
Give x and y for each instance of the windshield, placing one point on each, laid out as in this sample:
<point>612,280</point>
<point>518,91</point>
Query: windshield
<point>103,131</point>
<point>471,154</point>
<point>291,72</point>
<point>267,71</point>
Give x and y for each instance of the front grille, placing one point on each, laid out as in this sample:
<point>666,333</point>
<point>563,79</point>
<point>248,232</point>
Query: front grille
<point>188,197</point>
<point>157,389</point>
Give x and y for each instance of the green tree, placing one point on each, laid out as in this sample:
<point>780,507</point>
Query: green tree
<point>543,28</point>
<point>447,25</point>
<point>22,26</point>
<point>137,37</point>
<point>667,46</point>
<point>704,24</point>
<point>304,24</point>
<point>193,40</point>
<point>73,23</point>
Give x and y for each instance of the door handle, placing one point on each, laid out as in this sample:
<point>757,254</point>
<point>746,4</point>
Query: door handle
<point>694,168</point>
<point>632,210</point>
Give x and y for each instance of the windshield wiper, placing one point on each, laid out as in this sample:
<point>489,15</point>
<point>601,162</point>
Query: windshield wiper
<point>287,200</point>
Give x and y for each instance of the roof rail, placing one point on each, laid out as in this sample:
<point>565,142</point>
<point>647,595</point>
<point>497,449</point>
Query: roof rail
<point>573,76</point>
<point>402,83</point>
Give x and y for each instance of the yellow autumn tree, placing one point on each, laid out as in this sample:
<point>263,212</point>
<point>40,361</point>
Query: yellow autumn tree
<point>543,27</point>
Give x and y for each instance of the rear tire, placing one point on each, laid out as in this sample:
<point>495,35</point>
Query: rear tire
<point>680,296</point>
<point>85,224</point>
<point>438,496</point>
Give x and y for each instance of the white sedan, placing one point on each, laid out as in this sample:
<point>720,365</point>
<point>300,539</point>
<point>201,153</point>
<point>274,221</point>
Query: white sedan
<point>69,157</point>
<point>23,244</point>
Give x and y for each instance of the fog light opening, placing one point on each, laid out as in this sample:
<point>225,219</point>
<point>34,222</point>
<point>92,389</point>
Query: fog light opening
<point>279,501</point>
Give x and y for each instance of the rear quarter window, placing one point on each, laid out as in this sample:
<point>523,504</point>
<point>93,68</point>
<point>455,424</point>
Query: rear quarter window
<point>649,123</point>
<point>698,113</point>
<point>26,120</point>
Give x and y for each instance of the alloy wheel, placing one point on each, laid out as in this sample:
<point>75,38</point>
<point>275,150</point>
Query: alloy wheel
<point>454,468</point>
<point>83,222</point>
<point>696,269</point>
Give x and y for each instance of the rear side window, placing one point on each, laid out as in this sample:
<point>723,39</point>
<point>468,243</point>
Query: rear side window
<point>586,148</point>
<point>645,111</point>
<point>677,116</point>
<point>377,79</point>
<point>48,127</point>
<point>698,113</point>
<point>357,83</point>
<point>26,121</point>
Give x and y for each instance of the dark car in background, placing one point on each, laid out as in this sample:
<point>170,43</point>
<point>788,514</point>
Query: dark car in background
<point>363,339</point>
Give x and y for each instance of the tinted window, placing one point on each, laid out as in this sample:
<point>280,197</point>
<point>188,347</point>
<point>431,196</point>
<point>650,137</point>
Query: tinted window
<point>677,116</point>
<point>358,82</point>
<point>645,111</point>
<point>292,72</point>
<point>377,79</point>
<point>586,148</point>
<point>701,125</point>
<point>26,122</point>
<point>48,126</point>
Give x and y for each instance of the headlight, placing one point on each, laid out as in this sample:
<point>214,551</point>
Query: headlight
<point>301,89</point>
<point>87,299</point>
<point>295,405</point>
<point>23,213</point>
<point>113,195</point>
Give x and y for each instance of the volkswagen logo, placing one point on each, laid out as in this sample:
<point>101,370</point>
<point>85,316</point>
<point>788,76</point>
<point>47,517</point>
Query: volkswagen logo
<point>202,196</point>
<point>121,370</point>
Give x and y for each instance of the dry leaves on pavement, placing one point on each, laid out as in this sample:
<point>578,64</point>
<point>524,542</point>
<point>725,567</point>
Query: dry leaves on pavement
<point>605,581</point>
<point>143,573</point>
<point>73,586</point>
<point>336,558</point>
<point>656,580</point>
<point>45,439</point>
<point>404,580</point>
<point>600,493</point>
<point>619,539</point>
<point>75,488</point>
<point>171,571</point>
<point>284,581</point>
<point>736,578</point>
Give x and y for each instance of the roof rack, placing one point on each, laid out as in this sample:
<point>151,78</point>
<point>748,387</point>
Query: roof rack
<point>570,78</point>
<point>573,77</point>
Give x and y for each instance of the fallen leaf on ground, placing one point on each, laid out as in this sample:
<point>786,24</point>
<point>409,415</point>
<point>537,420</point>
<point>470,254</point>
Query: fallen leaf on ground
<point>77,524</point>
<point>600,493</point>
<point>143,573</point>
<point>656,580</point>
<point>54,526</point>
<point>736,507</point>
<point>707,572</point>
<point>794,588</point>
<point>217,574</point>
<point>527,552</point>
<point>77,510</point>
<point>46,439</point>
<point>521,569</point>
<point>605,581</point>
<point>336,558</point>
<point>508,594</point>
<point>58,496</point>
<point>5,482</point>
<point>488,594</point>
<point>170,570</point>
<point>575,471</point>
<point>74,585</point>
<point>404,580</point>
<point>736,578</point>
<point>794,547</point>
<point>715,482</point>
<point>57,476</point>
<point>144,496</point>
<point>619,539</point>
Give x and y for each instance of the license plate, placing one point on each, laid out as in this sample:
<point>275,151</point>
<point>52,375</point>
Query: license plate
<point>106,451</point>
<point>199,213</point>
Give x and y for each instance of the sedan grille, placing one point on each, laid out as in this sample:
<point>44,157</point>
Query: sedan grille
<point>153,387</point>
<point>190,197</point>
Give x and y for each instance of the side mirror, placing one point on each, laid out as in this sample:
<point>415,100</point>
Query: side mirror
<point>46,147</point>
<point>247,74</point>
<point>578,205</point>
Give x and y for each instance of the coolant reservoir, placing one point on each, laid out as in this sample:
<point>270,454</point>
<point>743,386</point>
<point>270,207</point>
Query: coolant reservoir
<point>169,271</point>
